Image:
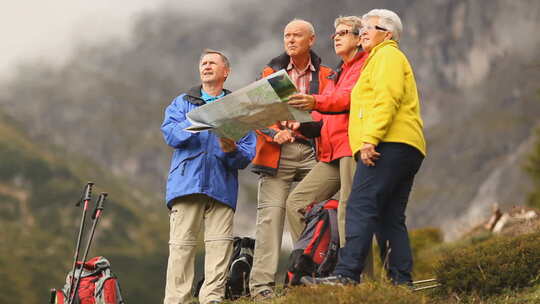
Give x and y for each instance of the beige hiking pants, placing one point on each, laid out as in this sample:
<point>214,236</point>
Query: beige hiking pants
<point>188,216</point>
<point>321,183</point>
<point>296,161</point>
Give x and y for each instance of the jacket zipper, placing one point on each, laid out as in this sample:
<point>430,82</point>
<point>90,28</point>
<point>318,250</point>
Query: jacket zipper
<point>205,178</point>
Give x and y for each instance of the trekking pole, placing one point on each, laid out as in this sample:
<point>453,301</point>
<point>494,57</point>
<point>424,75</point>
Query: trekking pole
<point>425,281</point>
<point>425,284</point>
<point>86,198</point>
<point>95,217</point>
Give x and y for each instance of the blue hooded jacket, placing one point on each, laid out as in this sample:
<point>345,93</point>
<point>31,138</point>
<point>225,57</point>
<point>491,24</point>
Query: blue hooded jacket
<point>198,164</point>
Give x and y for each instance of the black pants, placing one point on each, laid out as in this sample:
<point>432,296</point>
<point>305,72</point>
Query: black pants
<point>377,205</point>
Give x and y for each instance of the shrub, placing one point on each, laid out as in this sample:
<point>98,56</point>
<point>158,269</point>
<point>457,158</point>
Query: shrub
<point>491,267</point>
<point>425,245</point>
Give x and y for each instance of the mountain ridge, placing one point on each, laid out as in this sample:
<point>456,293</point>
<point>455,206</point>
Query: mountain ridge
<point>475,64</point>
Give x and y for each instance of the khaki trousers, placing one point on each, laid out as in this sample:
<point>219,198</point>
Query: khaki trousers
<point>296,161</point>
<point>321,183</point>
<point>188,215</point>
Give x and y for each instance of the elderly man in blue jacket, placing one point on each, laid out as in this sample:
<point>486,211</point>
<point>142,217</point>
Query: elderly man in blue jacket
<point>202,188</point>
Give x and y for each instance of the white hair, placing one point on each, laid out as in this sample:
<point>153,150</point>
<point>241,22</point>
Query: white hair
<point>389,20</point>
<point>307,23</point>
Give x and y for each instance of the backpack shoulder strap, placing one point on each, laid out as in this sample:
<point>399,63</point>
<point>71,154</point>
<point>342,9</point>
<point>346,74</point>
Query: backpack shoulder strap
<point>334,230</point>
<point>99,293</point>
<point>329,262</point>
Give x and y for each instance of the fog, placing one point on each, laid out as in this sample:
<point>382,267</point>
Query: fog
<point>48,30</point>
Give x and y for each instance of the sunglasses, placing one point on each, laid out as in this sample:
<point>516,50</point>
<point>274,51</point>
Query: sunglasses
<point>342,33</point>
<point>371,27</point>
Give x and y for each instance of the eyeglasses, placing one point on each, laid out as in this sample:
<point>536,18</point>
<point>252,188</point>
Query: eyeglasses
<point>372,27</point>
<point>343,33</point>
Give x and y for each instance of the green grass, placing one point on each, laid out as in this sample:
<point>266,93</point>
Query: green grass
<point>367,292</point>
<point>491,267</point>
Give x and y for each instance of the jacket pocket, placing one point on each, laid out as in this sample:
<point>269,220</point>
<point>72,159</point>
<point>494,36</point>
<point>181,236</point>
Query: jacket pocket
<point>181,163</point>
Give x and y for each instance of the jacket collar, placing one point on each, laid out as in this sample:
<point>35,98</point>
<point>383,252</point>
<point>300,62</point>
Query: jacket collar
<point>381,45</point>
<point>283,60</point>
<point>193,95</point>
<point>339,68</point>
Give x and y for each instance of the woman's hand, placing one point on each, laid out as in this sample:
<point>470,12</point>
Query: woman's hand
<point>302,102</point>
<point>368,155</point>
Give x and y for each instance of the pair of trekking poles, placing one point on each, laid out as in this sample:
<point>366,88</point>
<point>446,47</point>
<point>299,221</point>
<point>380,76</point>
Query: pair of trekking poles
<point>75,279</point>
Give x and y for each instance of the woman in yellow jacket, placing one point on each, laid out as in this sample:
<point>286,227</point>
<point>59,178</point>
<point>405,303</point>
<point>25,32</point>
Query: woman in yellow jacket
<point>386,138</point>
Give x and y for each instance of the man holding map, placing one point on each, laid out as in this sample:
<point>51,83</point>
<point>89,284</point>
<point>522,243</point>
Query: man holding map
<point>283,156</point>
<point>202,187</point>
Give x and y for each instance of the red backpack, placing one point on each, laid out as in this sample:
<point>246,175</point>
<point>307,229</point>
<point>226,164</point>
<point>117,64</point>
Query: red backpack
<point>315,252</point>
<point>97,285</point>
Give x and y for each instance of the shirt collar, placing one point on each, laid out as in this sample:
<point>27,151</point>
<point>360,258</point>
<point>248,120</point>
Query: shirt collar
<point>356,57</point>
<point>209,98</point>
<point>309,66</point>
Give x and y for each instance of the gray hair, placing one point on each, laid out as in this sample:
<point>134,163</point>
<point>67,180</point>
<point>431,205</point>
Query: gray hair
<point>307,23</point>
<point>353,21</point>
<point>220,53</point>
<point>389,20</point>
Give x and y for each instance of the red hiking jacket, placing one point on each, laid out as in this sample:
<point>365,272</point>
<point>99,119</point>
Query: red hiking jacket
<point>268,152</point>
<point>332,109</point>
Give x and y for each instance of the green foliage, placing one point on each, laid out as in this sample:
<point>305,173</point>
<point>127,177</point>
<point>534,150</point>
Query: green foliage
<point>532,167</point>
<point>39,220</point>
<point>425,238</point>
<point>491,267</point>
<point>425,243</point>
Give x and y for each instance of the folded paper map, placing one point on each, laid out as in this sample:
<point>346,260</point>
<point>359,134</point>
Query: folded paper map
<point>256,106</point>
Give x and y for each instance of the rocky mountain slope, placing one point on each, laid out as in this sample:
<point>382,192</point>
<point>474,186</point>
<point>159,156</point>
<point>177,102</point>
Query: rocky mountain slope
<point>476,66</point>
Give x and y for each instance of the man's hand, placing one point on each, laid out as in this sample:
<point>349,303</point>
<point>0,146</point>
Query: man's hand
<point>227,144</point>
<point>302,102</point>
<point>368,155</point>
<point>284,136</point>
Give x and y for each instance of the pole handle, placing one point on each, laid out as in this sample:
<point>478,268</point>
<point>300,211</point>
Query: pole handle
<point>99,205</point>
<point>87,193</point>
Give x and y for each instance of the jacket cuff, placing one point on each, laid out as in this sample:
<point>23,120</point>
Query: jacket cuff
<point>370,139</point>
<point>269,132</point>
<point>311,129</point>
<point>318,101</point>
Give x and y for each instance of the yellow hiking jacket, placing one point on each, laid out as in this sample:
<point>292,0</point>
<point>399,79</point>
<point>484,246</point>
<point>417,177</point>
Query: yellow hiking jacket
<point>384,102</point>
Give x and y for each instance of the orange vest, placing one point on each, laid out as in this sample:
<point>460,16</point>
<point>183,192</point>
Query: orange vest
<point>268,152</point>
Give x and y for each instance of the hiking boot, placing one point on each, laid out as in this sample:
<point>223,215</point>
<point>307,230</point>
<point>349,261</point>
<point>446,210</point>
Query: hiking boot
<point>337,280</point>
<point>264,295</point>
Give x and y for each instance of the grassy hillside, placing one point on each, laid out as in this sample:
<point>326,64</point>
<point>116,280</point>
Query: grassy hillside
<point>39,220</point>
<point>481,269</point>
<point>40,185</point>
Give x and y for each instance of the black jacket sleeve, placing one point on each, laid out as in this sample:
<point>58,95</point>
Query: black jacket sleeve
<point>311,129</point>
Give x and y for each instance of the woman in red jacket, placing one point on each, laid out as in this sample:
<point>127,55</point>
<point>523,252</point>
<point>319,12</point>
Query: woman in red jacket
<point>335,169</point>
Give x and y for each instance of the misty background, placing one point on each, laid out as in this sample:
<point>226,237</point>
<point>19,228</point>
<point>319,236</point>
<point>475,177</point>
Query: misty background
<point>84,87</point>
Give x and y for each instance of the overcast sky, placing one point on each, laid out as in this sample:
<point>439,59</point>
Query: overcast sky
<point>48,29</point>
